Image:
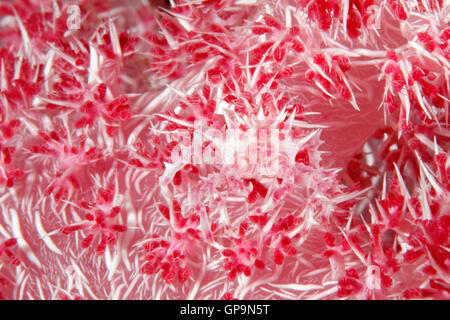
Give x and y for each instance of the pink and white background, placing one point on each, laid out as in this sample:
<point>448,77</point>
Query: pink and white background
<point>94,95</point>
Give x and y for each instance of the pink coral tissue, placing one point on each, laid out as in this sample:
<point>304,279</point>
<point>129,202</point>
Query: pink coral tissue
<point>224,149</point>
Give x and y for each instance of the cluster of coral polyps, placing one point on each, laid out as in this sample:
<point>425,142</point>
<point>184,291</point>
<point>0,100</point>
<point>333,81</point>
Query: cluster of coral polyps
<point>94,207</point>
